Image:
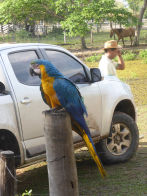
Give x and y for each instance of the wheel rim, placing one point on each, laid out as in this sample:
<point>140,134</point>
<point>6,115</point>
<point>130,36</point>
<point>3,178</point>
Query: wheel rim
<point>119,140</point>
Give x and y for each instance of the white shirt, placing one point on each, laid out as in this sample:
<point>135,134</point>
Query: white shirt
<point>107,66</point>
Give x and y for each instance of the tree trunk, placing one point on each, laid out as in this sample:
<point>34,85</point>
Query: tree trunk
<point>32,29</point>
<point>111,27</point>
<point>27,26</point>
<point>136,43</point>
<point>83,43</point>
<point>91,35</point>
<point>64,37</point>
<point>97,28</point>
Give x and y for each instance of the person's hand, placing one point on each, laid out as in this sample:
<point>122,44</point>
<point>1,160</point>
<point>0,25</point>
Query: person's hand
<point>119,52</point>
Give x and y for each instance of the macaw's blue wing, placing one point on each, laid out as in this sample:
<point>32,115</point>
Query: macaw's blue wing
<point>70,98</point>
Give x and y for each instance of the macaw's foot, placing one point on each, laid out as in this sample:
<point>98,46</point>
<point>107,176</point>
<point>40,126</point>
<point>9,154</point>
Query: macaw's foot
<point>58,109</point>
<point>55,110</point>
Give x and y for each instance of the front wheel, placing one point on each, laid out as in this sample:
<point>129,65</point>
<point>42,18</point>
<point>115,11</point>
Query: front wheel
<point>122,142</point>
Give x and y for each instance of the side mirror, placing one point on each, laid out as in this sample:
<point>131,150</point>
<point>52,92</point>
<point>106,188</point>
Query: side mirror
<point>2,88</point>
<point>95,75</point>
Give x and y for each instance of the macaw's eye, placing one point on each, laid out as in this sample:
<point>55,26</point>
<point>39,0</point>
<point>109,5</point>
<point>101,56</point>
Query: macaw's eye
<point>34,64</point>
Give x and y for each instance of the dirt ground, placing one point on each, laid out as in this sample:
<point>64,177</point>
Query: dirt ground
<point>91,51</point>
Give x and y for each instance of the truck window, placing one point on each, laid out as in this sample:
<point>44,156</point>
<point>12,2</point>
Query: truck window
<point>20,62</point>
<point>67,65</point>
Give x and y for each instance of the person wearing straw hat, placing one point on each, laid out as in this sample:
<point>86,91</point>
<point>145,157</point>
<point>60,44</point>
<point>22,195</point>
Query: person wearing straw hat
<point>107,65</point>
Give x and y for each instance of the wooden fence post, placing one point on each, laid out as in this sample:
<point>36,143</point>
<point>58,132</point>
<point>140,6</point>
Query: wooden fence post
<point>7,173</point>
<point>62,172</point>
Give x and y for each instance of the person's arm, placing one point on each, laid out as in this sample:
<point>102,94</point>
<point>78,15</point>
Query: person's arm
<point>121,64</point>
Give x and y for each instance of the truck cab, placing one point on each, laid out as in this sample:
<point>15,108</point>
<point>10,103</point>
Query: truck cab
<point>109,103</point>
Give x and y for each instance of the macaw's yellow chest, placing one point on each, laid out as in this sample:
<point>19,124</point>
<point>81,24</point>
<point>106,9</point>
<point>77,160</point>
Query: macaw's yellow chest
<point>47,85</point>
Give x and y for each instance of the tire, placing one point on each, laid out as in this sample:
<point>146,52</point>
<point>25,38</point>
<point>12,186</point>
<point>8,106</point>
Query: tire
<point>122,142</point>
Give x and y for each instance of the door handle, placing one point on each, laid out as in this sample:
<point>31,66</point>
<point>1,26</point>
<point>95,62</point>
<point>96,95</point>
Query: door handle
<point>25,100</point>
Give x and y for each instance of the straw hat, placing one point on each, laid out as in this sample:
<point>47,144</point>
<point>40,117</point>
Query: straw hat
<point>111,44</point>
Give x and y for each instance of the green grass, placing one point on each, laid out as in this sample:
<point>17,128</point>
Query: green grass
<point>125,179</point>
<point>94,58</point>
<point>129,56</point>
<point>135,74</point>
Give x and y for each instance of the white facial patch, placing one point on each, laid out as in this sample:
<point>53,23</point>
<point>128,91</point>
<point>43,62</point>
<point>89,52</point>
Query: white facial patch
<point>37,71</point>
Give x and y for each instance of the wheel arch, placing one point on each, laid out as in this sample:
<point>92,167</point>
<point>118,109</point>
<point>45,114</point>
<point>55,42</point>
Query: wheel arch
<point>8,141</point>
<point>126,106</point>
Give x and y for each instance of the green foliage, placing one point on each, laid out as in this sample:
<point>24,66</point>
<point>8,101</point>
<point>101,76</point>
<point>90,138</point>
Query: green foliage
<point>135,5</point>
<point>27,193</point>
<point>94,58</point>
<point>75,25</point>
<point>26,11</point>
<point>76,17</point>
<point>122,16</point>
<point>77,14</point>
<point>22,34</point>
<point>145,14</point>
<point>143,55</point>
<point>57,30</point>
<point>129,56</point>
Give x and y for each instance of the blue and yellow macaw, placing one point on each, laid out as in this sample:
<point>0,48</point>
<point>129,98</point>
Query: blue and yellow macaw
<point>58,91</point>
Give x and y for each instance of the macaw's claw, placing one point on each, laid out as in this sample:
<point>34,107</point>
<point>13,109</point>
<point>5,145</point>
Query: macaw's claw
<point>58,109</point>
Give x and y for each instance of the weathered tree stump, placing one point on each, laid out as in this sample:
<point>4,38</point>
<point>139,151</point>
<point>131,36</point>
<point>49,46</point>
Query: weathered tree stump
<point>62,172</point>
<point>7,173</point>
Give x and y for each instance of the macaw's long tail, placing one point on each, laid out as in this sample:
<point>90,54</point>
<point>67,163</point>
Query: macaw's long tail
<point>92,150</point>
<point>90,145</point>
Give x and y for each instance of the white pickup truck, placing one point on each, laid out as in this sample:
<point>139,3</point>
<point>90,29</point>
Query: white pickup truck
<point>109,102</point>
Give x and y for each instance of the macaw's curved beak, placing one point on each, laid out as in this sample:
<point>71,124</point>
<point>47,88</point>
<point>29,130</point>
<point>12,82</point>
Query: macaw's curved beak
<point>34,72</point>
<point>35,69</point>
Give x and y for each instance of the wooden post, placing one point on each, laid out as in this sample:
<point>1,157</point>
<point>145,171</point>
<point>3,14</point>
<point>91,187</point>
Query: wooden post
<point>62,171</point>
<point>7,173</point>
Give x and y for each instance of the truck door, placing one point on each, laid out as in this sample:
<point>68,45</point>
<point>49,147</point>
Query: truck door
<point>26,95</point>
<point>79,74</point>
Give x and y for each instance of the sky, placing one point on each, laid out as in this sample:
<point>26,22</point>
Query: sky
<point>124,2</point>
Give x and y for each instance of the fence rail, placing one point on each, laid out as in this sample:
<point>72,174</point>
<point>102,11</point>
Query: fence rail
<point>44,28</point>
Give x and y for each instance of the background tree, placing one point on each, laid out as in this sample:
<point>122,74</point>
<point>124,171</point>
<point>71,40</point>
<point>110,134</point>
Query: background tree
<point>81,15</point>
<point>76,16</point>
<point>122,16</point>
<point>73,22</point>
<point>135,5</point>
<point>26,12</point>
<point>139,8</point>
<point>142,11</point>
